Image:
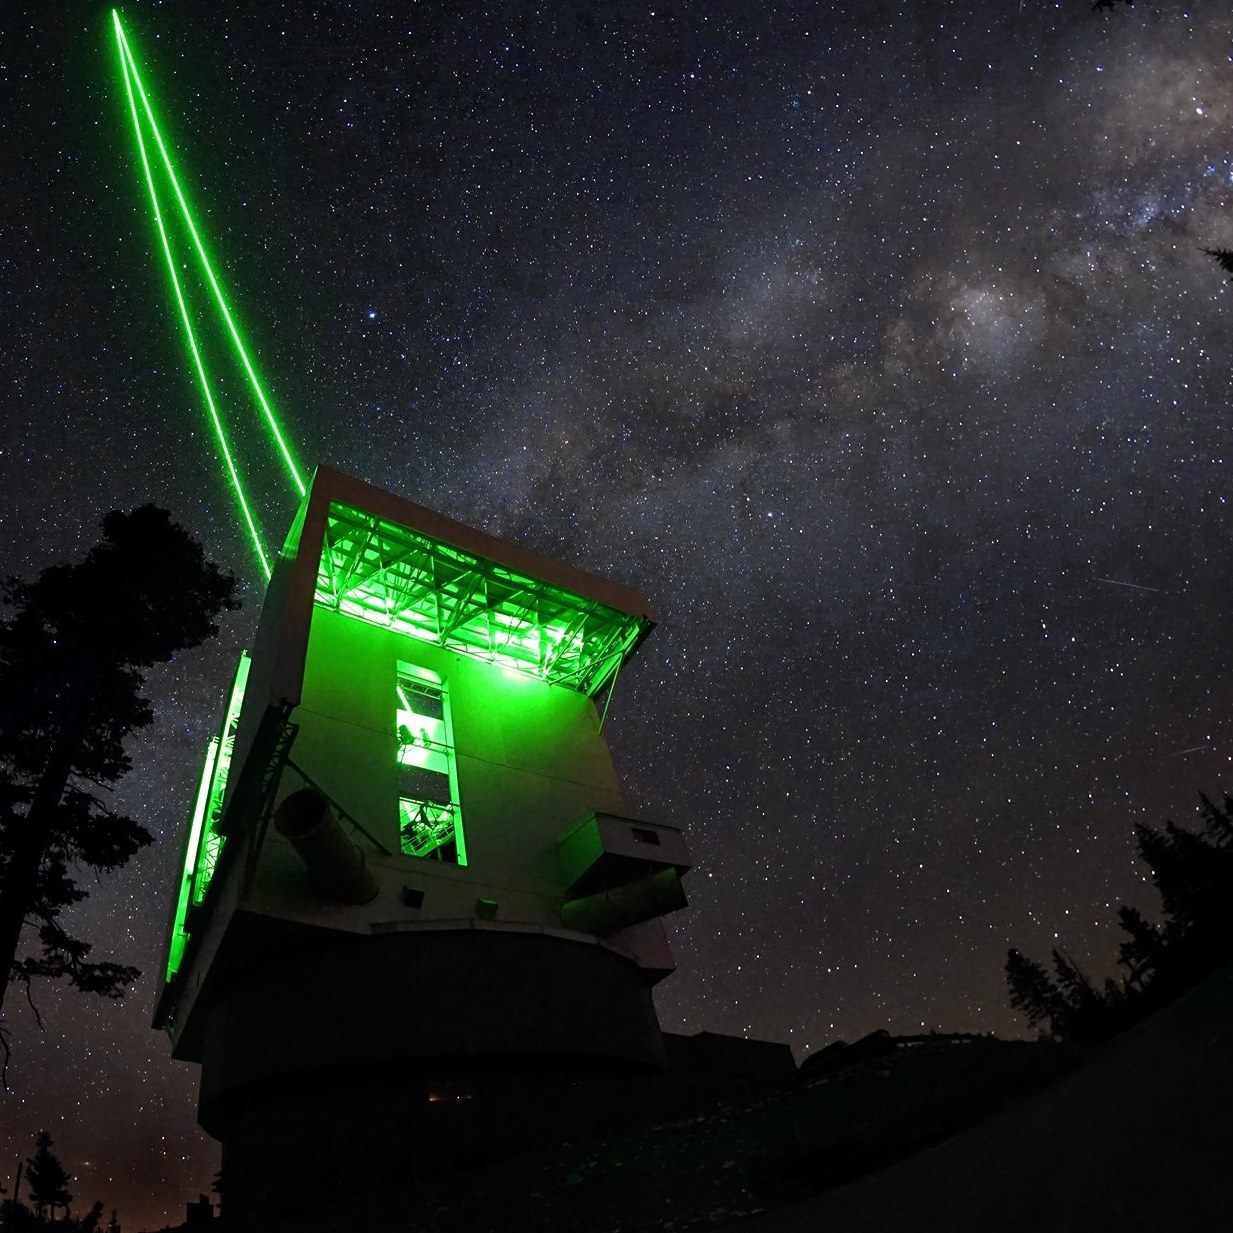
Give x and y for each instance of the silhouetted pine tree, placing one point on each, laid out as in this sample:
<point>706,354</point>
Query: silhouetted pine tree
<point>1032,993</point>
<point>1086,1013</point>
<point>93,1219</point>
<point>1078,991</point>
<point>1142,949</point>
<point>1223,257</point>
<point>73,644</point>
<point>1194,877</point>
<point>1193,874</point>
<point>1217,821</point>
<point>47,1178</point>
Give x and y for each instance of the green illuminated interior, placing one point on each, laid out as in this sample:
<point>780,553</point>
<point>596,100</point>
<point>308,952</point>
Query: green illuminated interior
<point>402,579</point>
<point>205,844</point>
<point>211,840</point>
<point>144,120</point>
<point>429,819</point>
<point>179,932</point>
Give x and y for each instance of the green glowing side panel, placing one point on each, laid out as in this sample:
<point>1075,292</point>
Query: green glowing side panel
<point>179,932</point>
<point>402,579</point>
<point>211,840</point>
<point>429,819</point>
<point>205,844</point>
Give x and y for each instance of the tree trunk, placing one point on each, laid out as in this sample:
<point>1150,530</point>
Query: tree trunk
<point>17,893</point>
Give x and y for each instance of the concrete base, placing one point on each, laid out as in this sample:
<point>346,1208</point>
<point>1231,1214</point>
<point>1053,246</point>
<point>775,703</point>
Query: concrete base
<point>375,1059</point>
<point>346,1133</point>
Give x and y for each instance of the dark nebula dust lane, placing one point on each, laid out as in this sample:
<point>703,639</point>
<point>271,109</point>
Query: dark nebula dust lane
<point>877,344</point>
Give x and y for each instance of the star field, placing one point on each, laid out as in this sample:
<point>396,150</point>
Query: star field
<point>874,343</point>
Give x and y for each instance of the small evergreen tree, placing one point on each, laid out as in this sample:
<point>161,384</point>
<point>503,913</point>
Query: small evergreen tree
<point>1223,257</point>
<point>1141,951</point>
<point>47,1179</point>
<point>1217,822</point>
<point>1194,877</point>
<point>1032,993</point>
<point>93,1219</point>
<point>1193,874</point>
<point>1088,1013</point>
<point>1078,992</point>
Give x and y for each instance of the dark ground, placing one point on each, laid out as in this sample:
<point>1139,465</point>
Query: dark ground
<point>1136,1140</point>
<point>1133,1138</point>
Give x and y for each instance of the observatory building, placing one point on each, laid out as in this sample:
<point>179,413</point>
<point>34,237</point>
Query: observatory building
<point>417,924</point>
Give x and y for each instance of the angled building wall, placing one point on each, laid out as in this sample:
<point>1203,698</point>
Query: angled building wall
<point>425,913</point>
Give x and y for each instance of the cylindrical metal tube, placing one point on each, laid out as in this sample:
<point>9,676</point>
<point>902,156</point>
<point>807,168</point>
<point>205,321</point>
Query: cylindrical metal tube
<point>620,906</point>
<point>334,863</point>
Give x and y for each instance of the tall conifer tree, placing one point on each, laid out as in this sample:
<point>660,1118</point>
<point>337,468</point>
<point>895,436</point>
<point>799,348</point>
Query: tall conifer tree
<point>71,653</point>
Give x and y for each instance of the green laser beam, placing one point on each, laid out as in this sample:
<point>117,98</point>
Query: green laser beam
<point>194,350</point>
<point>279,440</point>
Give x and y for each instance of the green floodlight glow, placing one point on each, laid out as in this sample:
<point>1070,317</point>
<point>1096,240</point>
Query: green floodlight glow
<point>390,575</point>
<point>205,844</point>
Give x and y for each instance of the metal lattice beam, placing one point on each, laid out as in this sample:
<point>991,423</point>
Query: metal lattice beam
<point>403,579</point>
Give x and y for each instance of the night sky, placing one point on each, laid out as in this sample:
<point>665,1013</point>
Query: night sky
<point>874,342</point>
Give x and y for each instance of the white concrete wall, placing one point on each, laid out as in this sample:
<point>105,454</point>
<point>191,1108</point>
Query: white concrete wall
<point>530,761</point>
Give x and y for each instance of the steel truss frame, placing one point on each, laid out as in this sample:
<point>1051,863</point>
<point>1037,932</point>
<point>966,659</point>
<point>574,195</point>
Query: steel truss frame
<point>400,578</point>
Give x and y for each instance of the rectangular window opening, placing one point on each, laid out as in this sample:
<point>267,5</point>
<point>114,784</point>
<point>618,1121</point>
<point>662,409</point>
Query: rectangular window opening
<point>429,822</point>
